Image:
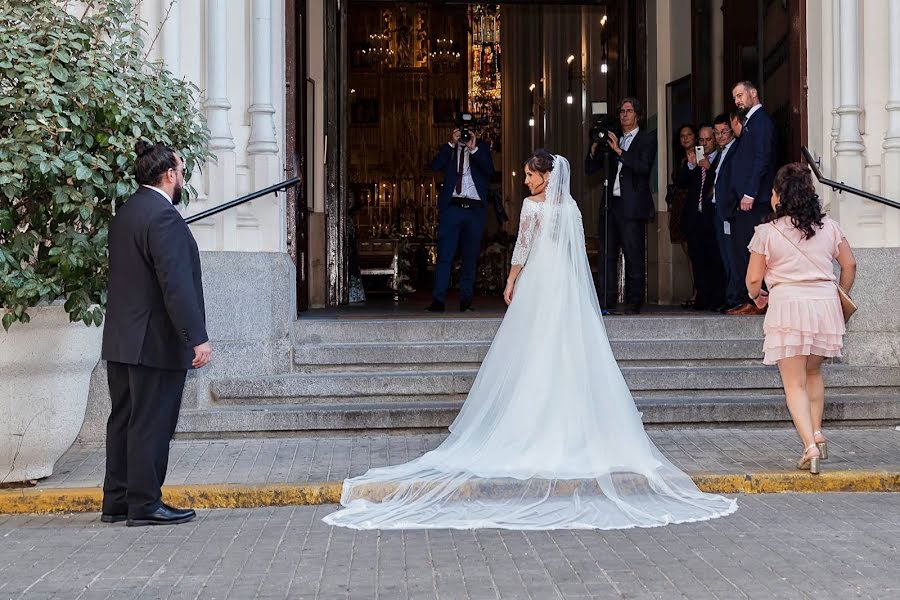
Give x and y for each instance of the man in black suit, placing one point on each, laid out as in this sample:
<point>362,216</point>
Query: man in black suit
<point>462,212</point>
<point>722,199</point>
<point>699,220</point>
<point>630,206</point>
<point>155,331</point>
<point>752,175</point>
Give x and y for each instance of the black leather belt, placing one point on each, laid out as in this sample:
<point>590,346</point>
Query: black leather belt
<point>465,202</point>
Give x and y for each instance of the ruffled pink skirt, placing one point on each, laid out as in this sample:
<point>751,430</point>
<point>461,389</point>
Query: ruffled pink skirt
<point>803,319</point>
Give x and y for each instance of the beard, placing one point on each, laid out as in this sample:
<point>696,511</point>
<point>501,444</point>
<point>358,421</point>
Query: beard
<point>177,194</point>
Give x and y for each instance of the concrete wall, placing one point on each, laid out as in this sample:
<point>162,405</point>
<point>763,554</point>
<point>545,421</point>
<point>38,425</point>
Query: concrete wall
<point>250,306</point>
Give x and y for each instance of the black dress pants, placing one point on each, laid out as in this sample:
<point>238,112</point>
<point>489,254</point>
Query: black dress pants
<point>145,405</point>
<point>629,235</point>
<point>743,226</point>
<point>706,261</point>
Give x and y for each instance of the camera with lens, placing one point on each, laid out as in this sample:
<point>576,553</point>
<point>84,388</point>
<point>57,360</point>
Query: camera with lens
<point>465,122</point>
<point>600,128</point>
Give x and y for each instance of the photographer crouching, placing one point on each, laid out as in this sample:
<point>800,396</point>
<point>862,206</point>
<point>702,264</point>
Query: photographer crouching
<point>629,204</point>
<point>462,210</point>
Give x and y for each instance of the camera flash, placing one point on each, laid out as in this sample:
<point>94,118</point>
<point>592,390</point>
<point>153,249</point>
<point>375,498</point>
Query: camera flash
<point>604,68</point>
<point>531,121</point>
<point>569,99</point>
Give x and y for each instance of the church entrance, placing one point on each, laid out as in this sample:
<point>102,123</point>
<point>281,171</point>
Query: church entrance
<point>398,75</point>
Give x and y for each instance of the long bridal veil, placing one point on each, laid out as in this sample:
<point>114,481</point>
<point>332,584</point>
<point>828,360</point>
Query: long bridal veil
<point>549,436</point>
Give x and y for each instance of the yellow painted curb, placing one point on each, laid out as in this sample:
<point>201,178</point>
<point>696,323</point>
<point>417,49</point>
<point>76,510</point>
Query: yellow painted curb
<point>78,500</point>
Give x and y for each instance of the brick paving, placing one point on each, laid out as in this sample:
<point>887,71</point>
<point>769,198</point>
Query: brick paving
<point>311,460</point>
<point>776,546</point>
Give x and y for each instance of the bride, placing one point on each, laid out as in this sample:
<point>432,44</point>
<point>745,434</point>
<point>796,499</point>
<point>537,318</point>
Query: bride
<point>549,436</point>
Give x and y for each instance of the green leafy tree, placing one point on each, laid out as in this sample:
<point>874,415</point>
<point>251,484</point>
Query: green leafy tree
<point>76,91</point>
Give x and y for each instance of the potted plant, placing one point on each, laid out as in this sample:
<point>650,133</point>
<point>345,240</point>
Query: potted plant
<point>76,91</point>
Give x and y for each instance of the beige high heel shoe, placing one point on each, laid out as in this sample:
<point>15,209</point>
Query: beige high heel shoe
<point>823,445</point>
<point>810,461</point>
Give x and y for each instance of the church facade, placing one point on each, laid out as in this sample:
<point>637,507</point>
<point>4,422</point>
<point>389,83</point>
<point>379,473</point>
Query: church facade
<point>289,90</point>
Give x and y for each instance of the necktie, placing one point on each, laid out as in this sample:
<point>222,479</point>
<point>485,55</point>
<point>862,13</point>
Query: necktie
<point>702,183</point>
<point>459,173</point>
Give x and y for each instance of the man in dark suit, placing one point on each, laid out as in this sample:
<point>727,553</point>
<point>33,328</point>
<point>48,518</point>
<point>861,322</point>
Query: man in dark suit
<point>752,175</point>
<point>698,221</point>
<point>462,211</point>
<point>630,206</point>
<point>724,202</point>
<point>155,331</point>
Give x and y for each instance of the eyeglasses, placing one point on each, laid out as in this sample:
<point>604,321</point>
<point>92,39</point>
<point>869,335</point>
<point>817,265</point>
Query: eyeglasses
<point>178,170</point>
<point>625,111</point>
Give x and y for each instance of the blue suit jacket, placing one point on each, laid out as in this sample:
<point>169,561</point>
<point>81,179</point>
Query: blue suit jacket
<point>481,166</point>
<point>726,203</point>
<point>753,164</point>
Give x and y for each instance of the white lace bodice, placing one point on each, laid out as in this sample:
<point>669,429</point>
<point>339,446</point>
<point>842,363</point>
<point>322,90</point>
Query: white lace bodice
<point>529,225</point>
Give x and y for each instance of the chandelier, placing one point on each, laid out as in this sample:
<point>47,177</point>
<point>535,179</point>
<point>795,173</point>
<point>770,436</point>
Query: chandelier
<point>444,56</point>
<point>379,49</point>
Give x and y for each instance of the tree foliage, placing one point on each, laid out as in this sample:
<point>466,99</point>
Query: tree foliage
<point>76,92</point>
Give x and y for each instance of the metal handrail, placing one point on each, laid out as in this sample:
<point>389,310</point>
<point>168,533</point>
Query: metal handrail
<point>840,186</point>
<point>289,183</point>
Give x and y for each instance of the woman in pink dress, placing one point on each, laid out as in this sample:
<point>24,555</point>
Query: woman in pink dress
<point>804,324</point>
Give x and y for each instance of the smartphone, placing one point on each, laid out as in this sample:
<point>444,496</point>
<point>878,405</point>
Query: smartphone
<point>698,150</point>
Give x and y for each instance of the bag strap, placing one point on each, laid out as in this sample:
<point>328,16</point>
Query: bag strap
<point>805,255</point>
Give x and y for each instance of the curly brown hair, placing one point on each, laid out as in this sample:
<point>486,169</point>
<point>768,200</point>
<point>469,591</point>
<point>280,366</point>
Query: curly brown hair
<point>797,199</point>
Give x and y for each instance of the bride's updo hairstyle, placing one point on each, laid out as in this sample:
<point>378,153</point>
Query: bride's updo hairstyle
<point>541,161</point>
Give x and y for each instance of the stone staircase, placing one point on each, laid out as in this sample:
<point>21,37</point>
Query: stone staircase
<point>374,374</point>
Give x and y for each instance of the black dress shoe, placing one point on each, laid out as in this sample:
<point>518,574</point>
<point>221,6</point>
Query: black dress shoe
<point>113,517</point>
<point>436,306</point>
<point>633,309</point>
<point>164,515</point>
<point>465,306</point>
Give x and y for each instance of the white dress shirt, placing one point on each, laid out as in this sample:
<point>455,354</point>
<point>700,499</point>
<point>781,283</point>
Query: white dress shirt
<point>624,144</point>
<point>468,184</point>
<point>751,111</point>
<point>160,192</point>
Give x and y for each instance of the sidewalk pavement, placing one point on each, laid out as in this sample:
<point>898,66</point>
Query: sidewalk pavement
<point>246,473</point>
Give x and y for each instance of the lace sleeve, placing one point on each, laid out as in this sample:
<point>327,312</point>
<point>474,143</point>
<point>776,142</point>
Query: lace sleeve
<point>528,226</point>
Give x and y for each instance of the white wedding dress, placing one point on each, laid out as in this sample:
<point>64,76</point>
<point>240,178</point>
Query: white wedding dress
<point>549,436</point>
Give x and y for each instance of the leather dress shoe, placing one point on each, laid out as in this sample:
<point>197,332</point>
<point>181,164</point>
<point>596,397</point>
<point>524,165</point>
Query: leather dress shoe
<point>465,306</point>
<point>633,309</point>
<point>746,309</point>
<point>113,517</point>
<point>164,515</point>
<point>436,306</point>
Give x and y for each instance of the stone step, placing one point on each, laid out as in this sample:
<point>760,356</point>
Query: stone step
<point>458,329</point>
<point>631,352</point>
<point>352,387</point>
<point>847,409</point>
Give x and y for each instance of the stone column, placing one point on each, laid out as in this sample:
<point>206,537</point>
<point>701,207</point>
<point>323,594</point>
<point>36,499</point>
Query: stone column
<point>170,36</point>
<point>836,67</point>
<point>262,124</point>
<point>891,163</point>
<point>264,215</point>
<point>221,172</point>
<point>849,140</point>
<point>849,146</point>
<point>217,104</point>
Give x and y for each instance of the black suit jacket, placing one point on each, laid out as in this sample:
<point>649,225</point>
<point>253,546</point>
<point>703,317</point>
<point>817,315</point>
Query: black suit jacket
<point>690,179</point>
<point>481,166</point>
<point>726,203</point>
<point>753,164</point>
<point>637,165</point>
<point>155,312</point>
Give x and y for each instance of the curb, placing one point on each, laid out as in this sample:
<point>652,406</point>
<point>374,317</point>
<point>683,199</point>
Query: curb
<point>207,496</point>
